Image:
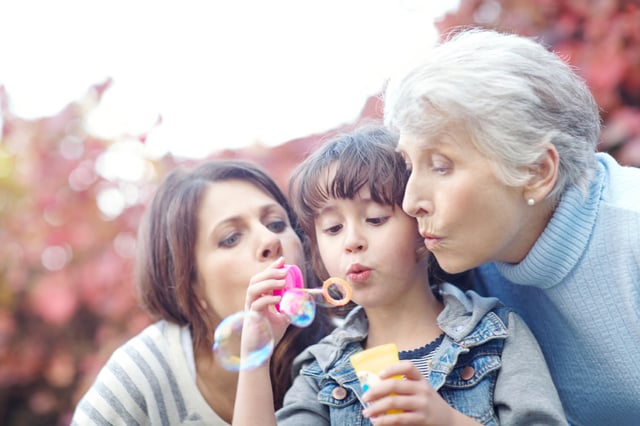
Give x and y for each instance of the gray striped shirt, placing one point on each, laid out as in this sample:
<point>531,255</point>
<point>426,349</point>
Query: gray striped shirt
<point>147,381</point>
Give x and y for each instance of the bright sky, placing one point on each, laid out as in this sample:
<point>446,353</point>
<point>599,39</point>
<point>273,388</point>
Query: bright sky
<point>220,74</point>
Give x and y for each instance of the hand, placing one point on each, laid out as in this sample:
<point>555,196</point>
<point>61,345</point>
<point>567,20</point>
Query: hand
<point>261,300</point>
<point>419,402</point>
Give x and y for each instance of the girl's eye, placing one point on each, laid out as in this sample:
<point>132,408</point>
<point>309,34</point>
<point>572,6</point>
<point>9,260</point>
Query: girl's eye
<point>377,221</point>
<point>332,230</point>
<point>277,226</point>
<point>230,241</point>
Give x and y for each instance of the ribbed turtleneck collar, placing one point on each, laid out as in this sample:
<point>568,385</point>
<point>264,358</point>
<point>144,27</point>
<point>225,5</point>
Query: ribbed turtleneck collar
<point>564,240</point>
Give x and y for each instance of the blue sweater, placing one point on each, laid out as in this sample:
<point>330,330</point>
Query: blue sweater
<point>578,289</point>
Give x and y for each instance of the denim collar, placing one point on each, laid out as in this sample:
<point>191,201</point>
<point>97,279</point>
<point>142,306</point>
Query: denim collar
<point>461,315</point>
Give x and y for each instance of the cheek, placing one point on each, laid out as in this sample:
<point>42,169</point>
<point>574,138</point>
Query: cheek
<point>329,255</point>
<point>292,249</point>
<point>407,251</point>
<point>463,204</point>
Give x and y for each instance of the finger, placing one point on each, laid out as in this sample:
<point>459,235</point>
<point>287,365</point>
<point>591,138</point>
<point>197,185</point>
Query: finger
<point>385,405</point>
<point>264,302</point>
<point>404,418</point>
<point>393,386</point>
<point>265,286</point>
<point>404,368</point>
<point>268,274</point>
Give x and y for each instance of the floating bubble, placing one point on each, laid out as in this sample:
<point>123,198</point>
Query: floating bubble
<point>248,328</point>
<point>299,307</point>
<point>249,332</point>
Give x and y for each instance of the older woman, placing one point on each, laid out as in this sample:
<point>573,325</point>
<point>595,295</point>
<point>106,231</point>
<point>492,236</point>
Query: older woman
<point>500,137</point>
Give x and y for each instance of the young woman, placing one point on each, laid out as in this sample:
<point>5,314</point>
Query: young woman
<point>206,233</point>
<point>465,359</point>
<point>500,138</point>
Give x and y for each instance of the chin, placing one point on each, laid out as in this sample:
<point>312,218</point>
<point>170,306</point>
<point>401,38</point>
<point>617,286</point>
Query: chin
<point>452,267</point>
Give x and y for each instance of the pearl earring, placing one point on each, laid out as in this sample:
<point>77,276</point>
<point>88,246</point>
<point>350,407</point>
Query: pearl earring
<point>531,201</point>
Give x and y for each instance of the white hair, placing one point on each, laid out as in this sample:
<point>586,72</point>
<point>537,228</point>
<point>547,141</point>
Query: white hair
<point>510,95</point>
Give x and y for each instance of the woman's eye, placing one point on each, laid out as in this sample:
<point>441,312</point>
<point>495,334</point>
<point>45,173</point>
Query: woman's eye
<point>277,226</point>
<point>377,220</point>
<point>230,241</point>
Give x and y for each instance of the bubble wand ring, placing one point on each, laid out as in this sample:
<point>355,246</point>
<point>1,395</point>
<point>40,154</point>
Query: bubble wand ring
<point>294,283</point>
<point>342,284</point>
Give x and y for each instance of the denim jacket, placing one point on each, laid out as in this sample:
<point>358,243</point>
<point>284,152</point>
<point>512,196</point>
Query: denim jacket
<point>488,367</point>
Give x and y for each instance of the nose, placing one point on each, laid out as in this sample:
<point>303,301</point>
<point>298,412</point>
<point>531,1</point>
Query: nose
<point>354,241</point>
<point>270,246</point>
<point>415,202</point>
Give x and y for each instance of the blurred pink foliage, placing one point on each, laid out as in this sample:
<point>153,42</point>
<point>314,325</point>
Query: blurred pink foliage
<point>67,298</point>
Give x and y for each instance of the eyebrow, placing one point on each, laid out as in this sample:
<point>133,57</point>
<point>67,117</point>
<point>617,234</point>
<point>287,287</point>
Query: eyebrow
<point>330,208</point>
<point>264,210</point>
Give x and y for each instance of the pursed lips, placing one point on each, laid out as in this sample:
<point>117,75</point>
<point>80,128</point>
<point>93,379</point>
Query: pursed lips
<point>358,273</point>
<point>430,241</point>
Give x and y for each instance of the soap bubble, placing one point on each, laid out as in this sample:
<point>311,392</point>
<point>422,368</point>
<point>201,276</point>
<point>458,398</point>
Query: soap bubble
<point>253,330</point>
<point>258,344</point>
<point>299,307</point>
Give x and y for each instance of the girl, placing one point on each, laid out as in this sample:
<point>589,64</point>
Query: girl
<point>206,232</point>
<point>465,359</point>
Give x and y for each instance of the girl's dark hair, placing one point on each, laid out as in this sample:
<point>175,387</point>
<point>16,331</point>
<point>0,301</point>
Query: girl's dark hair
<point>342,167</point>
<point>166,268</point>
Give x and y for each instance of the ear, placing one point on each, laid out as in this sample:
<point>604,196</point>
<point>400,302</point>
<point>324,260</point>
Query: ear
<point>544,175</point>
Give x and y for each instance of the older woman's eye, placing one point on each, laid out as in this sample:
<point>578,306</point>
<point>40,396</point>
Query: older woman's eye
<point>441,165</point>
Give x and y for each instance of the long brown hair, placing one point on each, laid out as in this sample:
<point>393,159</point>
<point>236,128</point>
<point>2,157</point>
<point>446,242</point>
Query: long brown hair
<point>166,265</point>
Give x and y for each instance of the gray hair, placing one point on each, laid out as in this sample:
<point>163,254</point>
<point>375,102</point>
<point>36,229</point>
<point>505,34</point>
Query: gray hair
<point>510,95</point>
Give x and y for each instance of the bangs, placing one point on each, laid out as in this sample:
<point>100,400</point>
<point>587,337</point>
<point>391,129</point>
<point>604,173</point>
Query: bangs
<point>343,170</point>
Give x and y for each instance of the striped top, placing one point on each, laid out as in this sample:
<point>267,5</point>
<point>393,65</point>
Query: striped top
<point>147,381</point>
<point>421,357</point>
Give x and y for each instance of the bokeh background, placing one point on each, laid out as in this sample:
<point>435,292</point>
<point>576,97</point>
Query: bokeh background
<point>70,200</point>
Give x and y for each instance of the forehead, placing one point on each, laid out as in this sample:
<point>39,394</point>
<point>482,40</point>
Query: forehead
<point>229,198</point>
<point>446,140</point>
